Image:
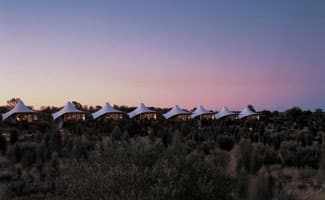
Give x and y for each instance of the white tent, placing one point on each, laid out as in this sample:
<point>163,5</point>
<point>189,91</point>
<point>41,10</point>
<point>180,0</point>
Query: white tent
<point>199,111</point>
<point>224,112</point>
<point>68,108</point>
<point>106,109</point>
<point>246,112</point>
<point>175,111</point>
<point>141,109</point>
<point>18,109</point>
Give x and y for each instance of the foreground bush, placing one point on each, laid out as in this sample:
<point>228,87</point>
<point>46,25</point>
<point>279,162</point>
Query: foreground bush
<point>292,154</point>
<point>145,171</point>
<point>226,142</point>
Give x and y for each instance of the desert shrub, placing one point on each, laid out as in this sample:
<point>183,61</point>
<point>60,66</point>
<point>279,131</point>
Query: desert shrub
<point>116,133</point>
<point>322,163</point>
<point>145,171</point>
<point>276,139</point>
<point>6,175</point>
<point>53,166</point>
<point>126,136</point>
<point>306,173</point>
<point>28,158</point>
<point>245,155</point>
<point>3,144</point>
<point>256,161</point>
<point>270,156</point>
<point>282,195</point>
<point>22,185</point>
<point>225,142</point>
<point>28,154</point>
<point>13,153</point>
<point>255,136</point>
<point>294,113</point>
<point>262,155</point>
<point>242,184</point>
<point>80,148</point>
<point>42,152</point>
<point>306,139</point>
<point>261,188</point>
<point>294,155</point>
<point>132,127</point>
<point>308,157</point>
<point>166,137</point>
<point>67,146</point>
<point>288,154</point>
<point>55,142</point>
<point>13,136</point>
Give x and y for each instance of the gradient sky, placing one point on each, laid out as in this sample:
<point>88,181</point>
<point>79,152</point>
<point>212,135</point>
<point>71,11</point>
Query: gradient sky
<point>164,52</point>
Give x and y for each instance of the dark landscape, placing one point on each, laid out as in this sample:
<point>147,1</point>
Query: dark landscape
<point>279,156</point>
<point>162,100</point>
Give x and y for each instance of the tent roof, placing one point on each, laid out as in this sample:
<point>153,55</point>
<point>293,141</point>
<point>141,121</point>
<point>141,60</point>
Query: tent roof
<point>246,112</point>
<point>19,108</point>
<point>200,111</point>
<point>68,108</point>
<point>175,111</point>
<point>140,110</point>
<point>224,112</point>
<point>106,109</point>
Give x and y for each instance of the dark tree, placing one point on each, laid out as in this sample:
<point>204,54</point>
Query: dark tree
<point>13,102</point>
<point>250,106</point>
<point>77,104</point>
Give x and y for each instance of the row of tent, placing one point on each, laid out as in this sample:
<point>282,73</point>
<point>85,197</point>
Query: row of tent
<point>176,111</point>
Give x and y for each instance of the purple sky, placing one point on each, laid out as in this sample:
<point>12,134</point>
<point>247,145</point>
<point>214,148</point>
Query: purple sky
<point>187,52</point>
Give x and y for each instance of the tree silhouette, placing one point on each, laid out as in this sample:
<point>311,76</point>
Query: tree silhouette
<point>250,106</point>
<point>77,104</point>
<point>13,101</point>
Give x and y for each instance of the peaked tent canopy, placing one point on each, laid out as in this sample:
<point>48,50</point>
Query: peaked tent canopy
<point>175,111</point>
<point>246,112</point>
<point>20,108</point>
<point>141,109</point>
<point>224,112</point>
<point>199,111</point>
<point>67,109</point>
<point>106,109</point>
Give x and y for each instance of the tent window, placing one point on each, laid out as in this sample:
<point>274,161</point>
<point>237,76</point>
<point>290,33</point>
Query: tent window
<point>74,117</point>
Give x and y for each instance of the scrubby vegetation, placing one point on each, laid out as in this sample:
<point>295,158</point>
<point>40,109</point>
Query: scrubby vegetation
<point>281,156</point>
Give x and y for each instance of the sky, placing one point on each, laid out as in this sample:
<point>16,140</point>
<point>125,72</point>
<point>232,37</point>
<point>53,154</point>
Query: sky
<point>164,52</point>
